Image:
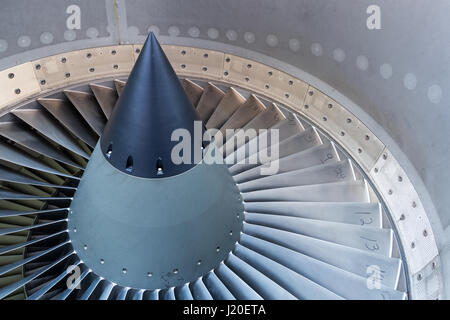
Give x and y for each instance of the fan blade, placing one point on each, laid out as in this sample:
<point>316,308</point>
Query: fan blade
<point>65,113</point>
<point>87,106</point>
<point>106,98</point>
<point>193,91</point>
<point>208,101</point>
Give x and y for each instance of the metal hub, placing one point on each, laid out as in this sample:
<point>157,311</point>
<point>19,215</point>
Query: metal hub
<point>160,232</point>
<point>138,219</point>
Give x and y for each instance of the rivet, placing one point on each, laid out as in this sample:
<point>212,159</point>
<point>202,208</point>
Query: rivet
<point>270,73</point>
<point>175,271</point>
<point>225,73</point>
<point>425,233</point>
<point>63,60</point>
<point>113,52</point>
<point>413,245</point>
<point>183,66</point>
<point>400,179</point>
<point>291,82</point>
<point>227,59</point>
<point>183,52</point>
<point>349,120</point>
<point>414,204</point>
<point>205,55</point>
<point>384,156</point>
<point>247,78</point>
<point>43,82</point>
<point>91,69</point>
<point>390,192</point>
<point>85,247</point>
<point>124,270</point>
<point>324,119</point>
<point>17,91</point>
<point>149,274</point>
<point>402,217</point>
<point>11,75</point>
<point>67,74</point>
<point>310,93</point>
<point>138,50</point>
<point>306,106</point>
<point>330,106</point>
<point>367,137</point>
<point>433,265</point>
<point>115,66</point>
<point>89,55</point>
<point>199,262</point>
<point>419,277</point>
<point>38,67</point>
<point>286,95</point>
<point>231,233</point>
<point>267,86</point>
<point>342,133</point>
<point>359,150</point>
<point>74,229</point>
<point>376,170</point>
<point>204,69</point>
<point>218,249</point>
<point>102,261</point>
<point>249,66</point>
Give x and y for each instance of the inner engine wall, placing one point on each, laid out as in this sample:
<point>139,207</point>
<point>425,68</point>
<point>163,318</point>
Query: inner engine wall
<point>395,79</point>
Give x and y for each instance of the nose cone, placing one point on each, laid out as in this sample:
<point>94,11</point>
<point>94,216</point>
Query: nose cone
<point>137,138</point>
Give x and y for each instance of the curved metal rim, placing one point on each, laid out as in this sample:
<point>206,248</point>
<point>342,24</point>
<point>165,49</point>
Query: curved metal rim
<point>404,207</point>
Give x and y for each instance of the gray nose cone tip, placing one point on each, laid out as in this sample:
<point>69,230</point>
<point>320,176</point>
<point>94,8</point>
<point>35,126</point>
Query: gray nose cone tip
<point>153,104</point>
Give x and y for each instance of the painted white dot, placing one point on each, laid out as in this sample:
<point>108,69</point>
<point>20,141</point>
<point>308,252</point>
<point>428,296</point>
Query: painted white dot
<point>294,45</point>
<point>434,93</point>
<point>3,45</point>
<point>272,40</point>
<point>194,32</point>
<point>316,49</point>
<point>386,71</point>
<point>231,35</point>
<point>154,29</point>
<point>133,31</point>
<point>339,55</point>
<point>173,31</point>
<point>249,37</point>
<point>410,81</point>
<point>70,35</point>
<point>23,41</point>
<point>362,63</point>
<point>92,32</point>
<point>46,38</point>
<point>213,33</point>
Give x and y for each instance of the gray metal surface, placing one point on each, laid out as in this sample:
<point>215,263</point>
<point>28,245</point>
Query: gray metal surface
<point>87,106</point>
<point>106,97</point>
<point>169,229</point>
<point>332,172</point>
<point>42,122</point>
<point>347,258</point>
<point>16,156</point>
<point>345,212</point>
<point>309,38</point>
<point>362,237</point>
<point>321,154</point>
<point>342,283</point>
<point>346,191</point>
<point>26,138</point>
<point>66,114</point>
